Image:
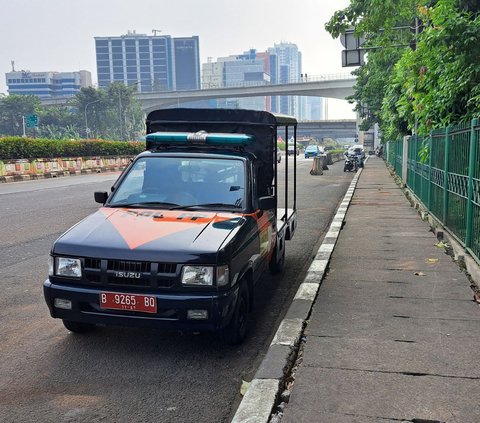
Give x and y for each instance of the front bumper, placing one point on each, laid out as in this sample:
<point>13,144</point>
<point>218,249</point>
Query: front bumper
<point>171,308</point>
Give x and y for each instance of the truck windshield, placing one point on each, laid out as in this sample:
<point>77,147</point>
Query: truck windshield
<point>173,182</point>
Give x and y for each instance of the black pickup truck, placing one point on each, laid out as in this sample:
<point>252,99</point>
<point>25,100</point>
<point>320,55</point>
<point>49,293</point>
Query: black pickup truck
<point>186,231</point>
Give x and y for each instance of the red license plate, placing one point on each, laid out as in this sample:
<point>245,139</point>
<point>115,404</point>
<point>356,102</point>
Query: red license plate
<point>129,302</point>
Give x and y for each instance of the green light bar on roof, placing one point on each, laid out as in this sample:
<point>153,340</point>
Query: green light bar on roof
<point>201,137</point>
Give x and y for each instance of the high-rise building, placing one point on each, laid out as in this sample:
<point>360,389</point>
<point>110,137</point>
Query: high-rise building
<point>314,108</point>
<point>47,84</point>
<point>187,63</point>
<point>290,68</point>
<point>236,71</point>
<point>212,74</point>
<point>151,63</point>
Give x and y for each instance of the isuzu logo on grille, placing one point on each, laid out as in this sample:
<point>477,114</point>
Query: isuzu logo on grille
<point>130,275</point>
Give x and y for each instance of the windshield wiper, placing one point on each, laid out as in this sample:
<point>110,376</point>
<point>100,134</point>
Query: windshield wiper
<point>145,203</point>
<point>205,205</point>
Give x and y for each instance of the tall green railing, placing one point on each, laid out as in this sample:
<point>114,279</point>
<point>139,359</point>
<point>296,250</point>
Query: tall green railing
<point>448,180</point>
<point>394,156</point>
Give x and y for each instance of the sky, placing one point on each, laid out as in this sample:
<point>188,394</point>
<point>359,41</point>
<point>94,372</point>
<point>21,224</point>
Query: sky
<point>58,35</point>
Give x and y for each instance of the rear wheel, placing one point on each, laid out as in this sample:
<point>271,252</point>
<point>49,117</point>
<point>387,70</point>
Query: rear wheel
<point>78,327</point>
<point>236,331</point>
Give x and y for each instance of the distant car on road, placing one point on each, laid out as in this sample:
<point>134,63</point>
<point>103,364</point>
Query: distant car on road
<point>357,149</point>
<point>291,150</point>
<point>313,151</point>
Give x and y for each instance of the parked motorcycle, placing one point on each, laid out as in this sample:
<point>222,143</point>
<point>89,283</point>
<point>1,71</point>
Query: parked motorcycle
<point>351,164</point>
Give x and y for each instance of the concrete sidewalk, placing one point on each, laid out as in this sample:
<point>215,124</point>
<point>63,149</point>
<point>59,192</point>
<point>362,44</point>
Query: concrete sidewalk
<point>394,335</point>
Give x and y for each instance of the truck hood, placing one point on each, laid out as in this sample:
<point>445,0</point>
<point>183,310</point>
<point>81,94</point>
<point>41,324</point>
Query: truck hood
<point>149,235</point>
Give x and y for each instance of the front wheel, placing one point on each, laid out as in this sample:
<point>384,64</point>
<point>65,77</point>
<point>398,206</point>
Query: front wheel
<point>78,327</point>
<point>236,331</point>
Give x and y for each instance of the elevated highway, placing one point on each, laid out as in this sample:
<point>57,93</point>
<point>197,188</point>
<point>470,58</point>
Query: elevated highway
<point>336,129</point>
<point>328,86</point>
<point>339,87</point>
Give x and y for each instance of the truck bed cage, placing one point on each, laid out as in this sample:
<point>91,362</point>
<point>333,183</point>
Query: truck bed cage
<point>265,127</point>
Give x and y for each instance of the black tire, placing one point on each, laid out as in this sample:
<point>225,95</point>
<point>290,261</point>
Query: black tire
<point>275,265</point>
<point>78,327</point>
<point>236,331</point>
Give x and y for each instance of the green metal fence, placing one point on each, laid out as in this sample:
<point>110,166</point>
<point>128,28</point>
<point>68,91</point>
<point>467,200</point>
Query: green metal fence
<point>448,181</point>
<point>395,156</point>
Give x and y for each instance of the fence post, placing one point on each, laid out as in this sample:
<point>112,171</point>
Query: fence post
<point>405,157</point>
<point>471,164</point>
<point>415,163</point>
<point>429,192</point>
<point>445,176</point>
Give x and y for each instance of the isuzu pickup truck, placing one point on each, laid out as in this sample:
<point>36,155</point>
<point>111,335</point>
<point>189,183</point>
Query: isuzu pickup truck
<point>184,235</point>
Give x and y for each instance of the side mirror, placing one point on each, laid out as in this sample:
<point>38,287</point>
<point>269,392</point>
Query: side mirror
<point>101,196</point>
<point>267,203</point>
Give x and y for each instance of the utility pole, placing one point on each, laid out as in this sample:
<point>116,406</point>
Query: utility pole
<point>120,114</point>
<point>87,130</point>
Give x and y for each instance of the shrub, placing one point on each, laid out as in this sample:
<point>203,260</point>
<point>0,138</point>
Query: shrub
<point>29,148</point>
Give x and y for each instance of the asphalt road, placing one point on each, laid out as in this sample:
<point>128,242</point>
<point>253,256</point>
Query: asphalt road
<point>128,375</point>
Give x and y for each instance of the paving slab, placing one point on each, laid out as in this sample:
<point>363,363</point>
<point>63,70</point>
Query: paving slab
<point>376,327</point>
<point>377,395</point>
<point>388,307</point>
<point>435,356</point>
<point>419,288</point>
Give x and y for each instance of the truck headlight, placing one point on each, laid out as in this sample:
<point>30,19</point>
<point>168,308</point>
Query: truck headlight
<point>197,275</point>
<point>69,267</point>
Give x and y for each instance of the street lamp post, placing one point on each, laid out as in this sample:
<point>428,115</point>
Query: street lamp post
<point>86,121</point>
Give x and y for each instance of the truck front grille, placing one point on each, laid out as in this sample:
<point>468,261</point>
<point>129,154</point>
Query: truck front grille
<point>139,274</point>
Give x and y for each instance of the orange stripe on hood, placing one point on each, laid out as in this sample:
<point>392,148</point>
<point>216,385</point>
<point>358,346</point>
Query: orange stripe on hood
<point>138,227</point>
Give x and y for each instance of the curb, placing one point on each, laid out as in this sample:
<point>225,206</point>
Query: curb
<point>261,397</point>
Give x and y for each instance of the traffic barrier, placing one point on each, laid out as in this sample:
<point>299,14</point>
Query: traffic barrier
<point>318,165</point>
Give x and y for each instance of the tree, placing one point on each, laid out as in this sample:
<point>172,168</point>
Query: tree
<point>110,114</point>
<point>91,106</point>
<point>436,83</point>
<point>58,122</point>
<point>12,110</point>
<point>124,112</point>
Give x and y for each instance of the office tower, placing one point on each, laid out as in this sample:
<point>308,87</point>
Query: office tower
<point>151,63</point>
<point>290,68</point>
<point>47,84</point>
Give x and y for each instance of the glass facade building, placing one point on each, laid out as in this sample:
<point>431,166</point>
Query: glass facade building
<point>281,64</point>
<point>152,63</point>
<point>187,63</point>
<point>240,70</point>
<point>47,84</point>
<point>290,69</point>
